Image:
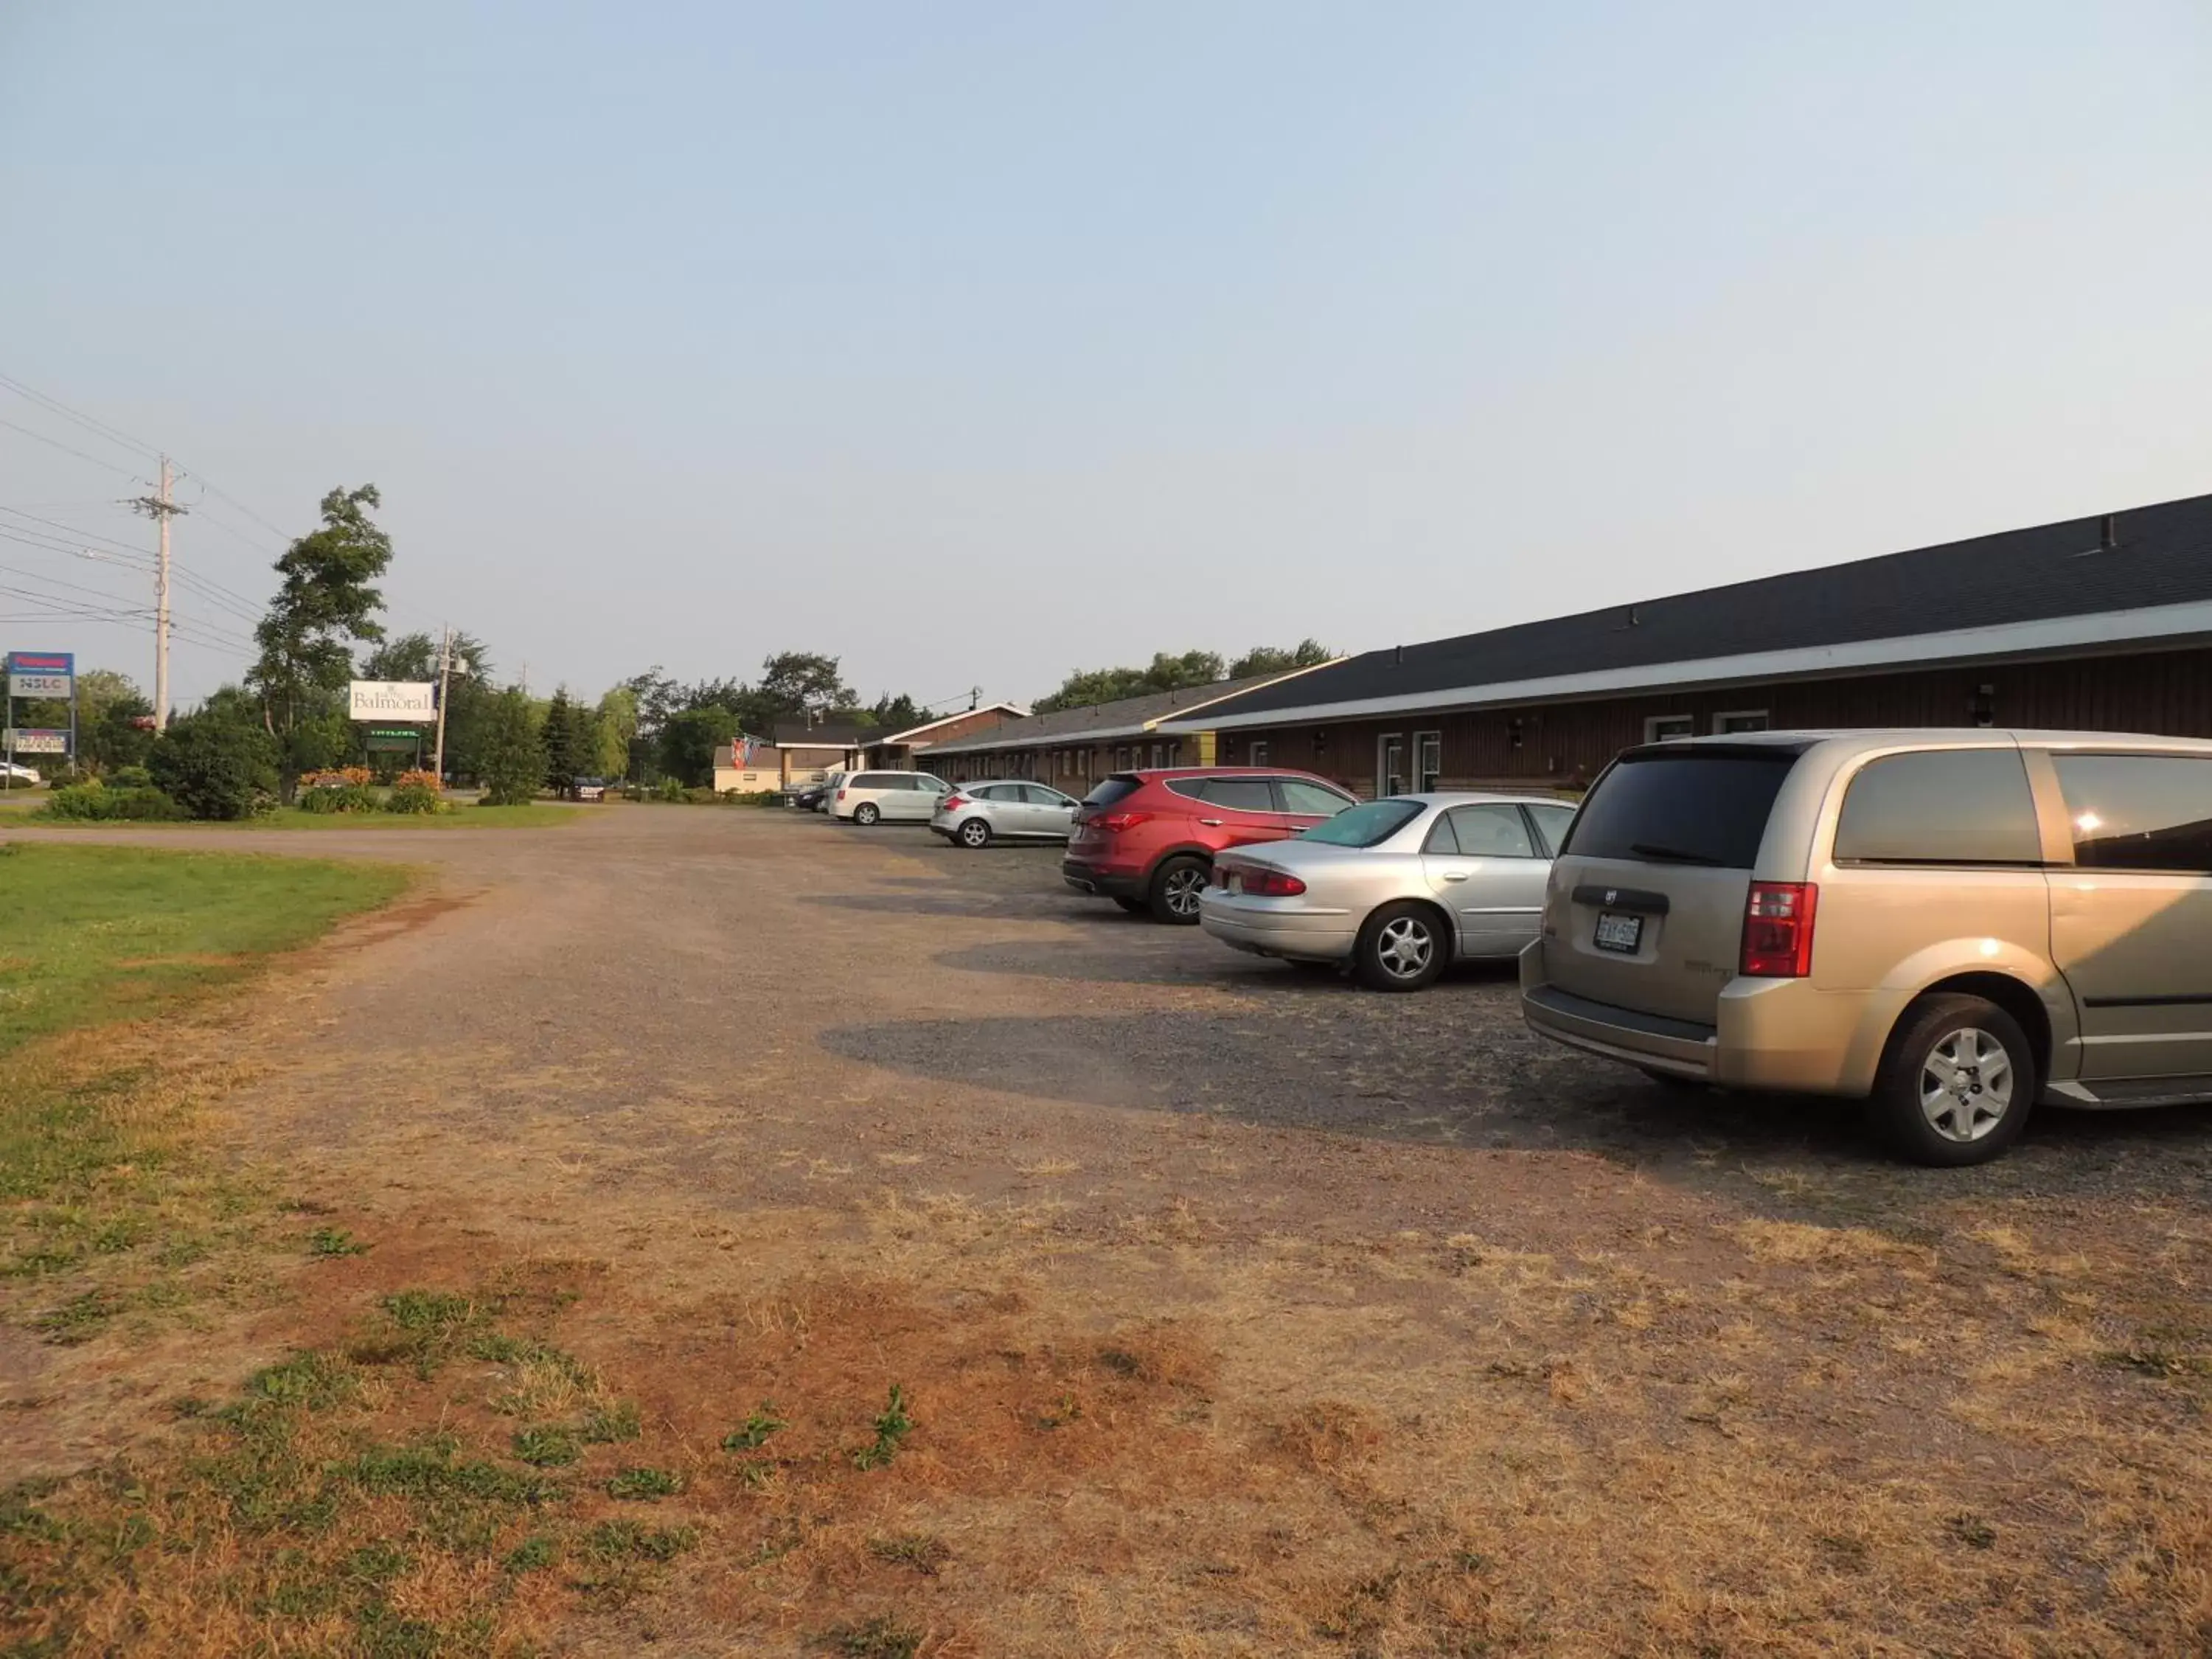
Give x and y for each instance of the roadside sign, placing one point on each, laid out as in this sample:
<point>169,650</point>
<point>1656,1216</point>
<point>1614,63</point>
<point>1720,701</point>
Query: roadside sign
<point>393,700</point>
<point>37,740</point>
<point>46,675</point>
<point>394,740</point>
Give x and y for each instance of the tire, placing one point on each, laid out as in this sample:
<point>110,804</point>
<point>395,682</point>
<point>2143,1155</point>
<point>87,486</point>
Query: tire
<point>1135,907</point>
<point>1402,947</point>
<point>867,813</point>
<point>973,832</point>
<point>1956,1085</point>
<point>1176,887</point>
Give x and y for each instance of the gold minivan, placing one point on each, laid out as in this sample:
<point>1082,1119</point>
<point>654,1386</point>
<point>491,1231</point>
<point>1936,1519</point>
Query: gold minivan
<point>1950,924</point>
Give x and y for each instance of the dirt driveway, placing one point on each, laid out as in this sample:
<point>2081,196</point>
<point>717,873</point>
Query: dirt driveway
<point>1250,1313</point>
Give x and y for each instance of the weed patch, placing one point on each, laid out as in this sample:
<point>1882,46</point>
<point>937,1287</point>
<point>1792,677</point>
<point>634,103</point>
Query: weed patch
<point>893,1425</point>
<point>880,1637</point>
<point>643,1485</point>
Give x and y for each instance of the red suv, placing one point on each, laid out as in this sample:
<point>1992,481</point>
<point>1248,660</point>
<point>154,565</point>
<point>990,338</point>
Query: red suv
<point>1146,840</point>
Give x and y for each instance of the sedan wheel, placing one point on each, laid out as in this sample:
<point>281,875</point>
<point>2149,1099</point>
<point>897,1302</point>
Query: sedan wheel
<point>975,833</point>
<point>1403,947</point>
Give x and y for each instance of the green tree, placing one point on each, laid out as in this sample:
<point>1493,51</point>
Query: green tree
<point>1164,673</point>
<point>572,742</point>
<point>897,713</point>
<point>687,743</point>
<point>512,762</point>
<point>218,763</point>
<point>1273,660</point>
<point>793,680</point>
<point>326,603</point>
<point>616,729</point>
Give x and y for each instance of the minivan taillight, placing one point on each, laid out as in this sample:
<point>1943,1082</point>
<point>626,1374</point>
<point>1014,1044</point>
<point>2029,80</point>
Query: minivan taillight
<point>1777,930</point>
<point>841,794</point>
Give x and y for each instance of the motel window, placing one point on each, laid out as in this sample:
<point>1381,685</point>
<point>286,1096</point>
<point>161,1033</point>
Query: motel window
<point>1741,720</point>
<point>1669,728</point>
<point>1255,752</point>
<point>1428,760</point>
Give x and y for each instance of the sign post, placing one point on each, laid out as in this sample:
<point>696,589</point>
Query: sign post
<point>39,676</point>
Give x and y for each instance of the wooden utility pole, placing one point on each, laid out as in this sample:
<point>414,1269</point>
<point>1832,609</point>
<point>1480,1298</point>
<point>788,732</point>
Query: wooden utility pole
<point>161,509</point>
<point>444,683</point>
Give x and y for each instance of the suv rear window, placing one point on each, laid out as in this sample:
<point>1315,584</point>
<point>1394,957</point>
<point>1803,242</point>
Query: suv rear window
<point>1691,806</point>
<point>1940,806</point>
<point>1107,791</point>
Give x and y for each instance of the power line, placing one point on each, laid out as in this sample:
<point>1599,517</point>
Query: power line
<point>55,443</point>
<point>111,434</point>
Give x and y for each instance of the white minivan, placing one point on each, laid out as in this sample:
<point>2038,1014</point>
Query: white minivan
<point>868,798</point>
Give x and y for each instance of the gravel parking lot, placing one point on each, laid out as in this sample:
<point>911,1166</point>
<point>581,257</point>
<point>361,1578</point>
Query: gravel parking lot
<point>1457,1338</point>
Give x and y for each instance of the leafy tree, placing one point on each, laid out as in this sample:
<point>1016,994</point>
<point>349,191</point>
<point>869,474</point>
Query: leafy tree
<point>687,743</point>
<point>794,680</point>
<point>616,730</point>
<point>1272,660</point>
<point>511,761</point>
<point>897,713</point>
<point>1164,673</point>
<point>219,762</point>
<point>326,603</point>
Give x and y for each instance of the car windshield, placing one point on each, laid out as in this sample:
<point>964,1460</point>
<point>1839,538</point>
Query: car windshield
<point>1369,825</point>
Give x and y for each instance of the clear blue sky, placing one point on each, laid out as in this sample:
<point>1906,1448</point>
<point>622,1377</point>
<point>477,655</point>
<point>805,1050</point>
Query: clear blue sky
<point>980,343</point>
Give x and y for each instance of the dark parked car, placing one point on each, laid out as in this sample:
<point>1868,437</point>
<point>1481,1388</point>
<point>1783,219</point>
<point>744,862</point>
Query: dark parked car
<point>1146,840</point>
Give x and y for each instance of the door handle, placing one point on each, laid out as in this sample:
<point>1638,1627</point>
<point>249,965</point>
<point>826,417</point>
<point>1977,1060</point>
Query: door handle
<point>1454,875</point>
<point>1210,824</point>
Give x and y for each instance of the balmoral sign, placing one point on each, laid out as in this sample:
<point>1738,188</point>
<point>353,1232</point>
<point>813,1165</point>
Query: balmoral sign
<point>394,700</point>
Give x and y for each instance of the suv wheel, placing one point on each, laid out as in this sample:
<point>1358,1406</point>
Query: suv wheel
<point>1176,887</point>
<point>975,833</point>
<point>865,813</point>
<point>1403,947</point>
<point>1956,1085</point>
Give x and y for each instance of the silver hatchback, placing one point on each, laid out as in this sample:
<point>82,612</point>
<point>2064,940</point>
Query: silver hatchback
<point>1395,888</point>
<point>1004,809</point>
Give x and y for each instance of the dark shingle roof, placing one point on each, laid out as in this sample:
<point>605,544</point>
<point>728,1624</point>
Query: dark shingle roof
<point>2163,557</point>
<point>1123,716</point>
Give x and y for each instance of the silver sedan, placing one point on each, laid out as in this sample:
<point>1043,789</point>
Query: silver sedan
<point>1396,888</point>
<point>1004,809</point>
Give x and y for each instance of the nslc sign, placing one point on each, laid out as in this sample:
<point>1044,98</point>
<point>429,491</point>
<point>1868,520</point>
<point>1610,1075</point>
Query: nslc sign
<point>394,700</point>
<point>48,675</point>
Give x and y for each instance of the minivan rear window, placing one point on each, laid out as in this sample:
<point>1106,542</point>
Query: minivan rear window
<point>1940,806</point>
<point>1107,791</point>
<point>1688,807</point>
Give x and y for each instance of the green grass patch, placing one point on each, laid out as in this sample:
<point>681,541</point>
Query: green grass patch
<point>101,934</point>
<point>893,1425</point>
<point>540,815</point>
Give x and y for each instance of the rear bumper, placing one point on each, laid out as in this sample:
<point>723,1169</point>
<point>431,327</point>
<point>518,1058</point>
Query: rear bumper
<point>1102,880</point>
<point>1301,936</point>
<point>1776,1035</point>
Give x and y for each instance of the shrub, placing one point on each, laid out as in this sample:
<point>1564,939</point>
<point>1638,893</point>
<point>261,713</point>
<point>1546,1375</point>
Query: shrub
<point>669,789</point>
<point>749,797</point>
<point>130,777</point>
<point>359,777</point>
<point>215,764</point>
<point>702,797</point>
<point>336,797</point>
<point>411,795</point>
<point>95,802</point>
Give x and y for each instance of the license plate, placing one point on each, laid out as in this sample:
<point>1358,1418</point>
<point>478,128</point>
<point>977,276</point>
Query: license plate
<point>1618,933</point>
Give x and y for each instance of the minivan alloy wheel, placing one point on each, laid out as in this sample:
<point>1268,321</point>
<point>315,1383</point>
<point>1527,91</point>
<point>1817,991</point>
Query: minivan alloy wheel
<point>1965,1085</point>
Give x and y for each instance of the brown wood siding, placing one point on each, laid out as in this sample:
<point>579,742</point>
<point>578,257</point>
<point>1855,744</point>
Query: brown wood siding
<point>1564,744</point>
